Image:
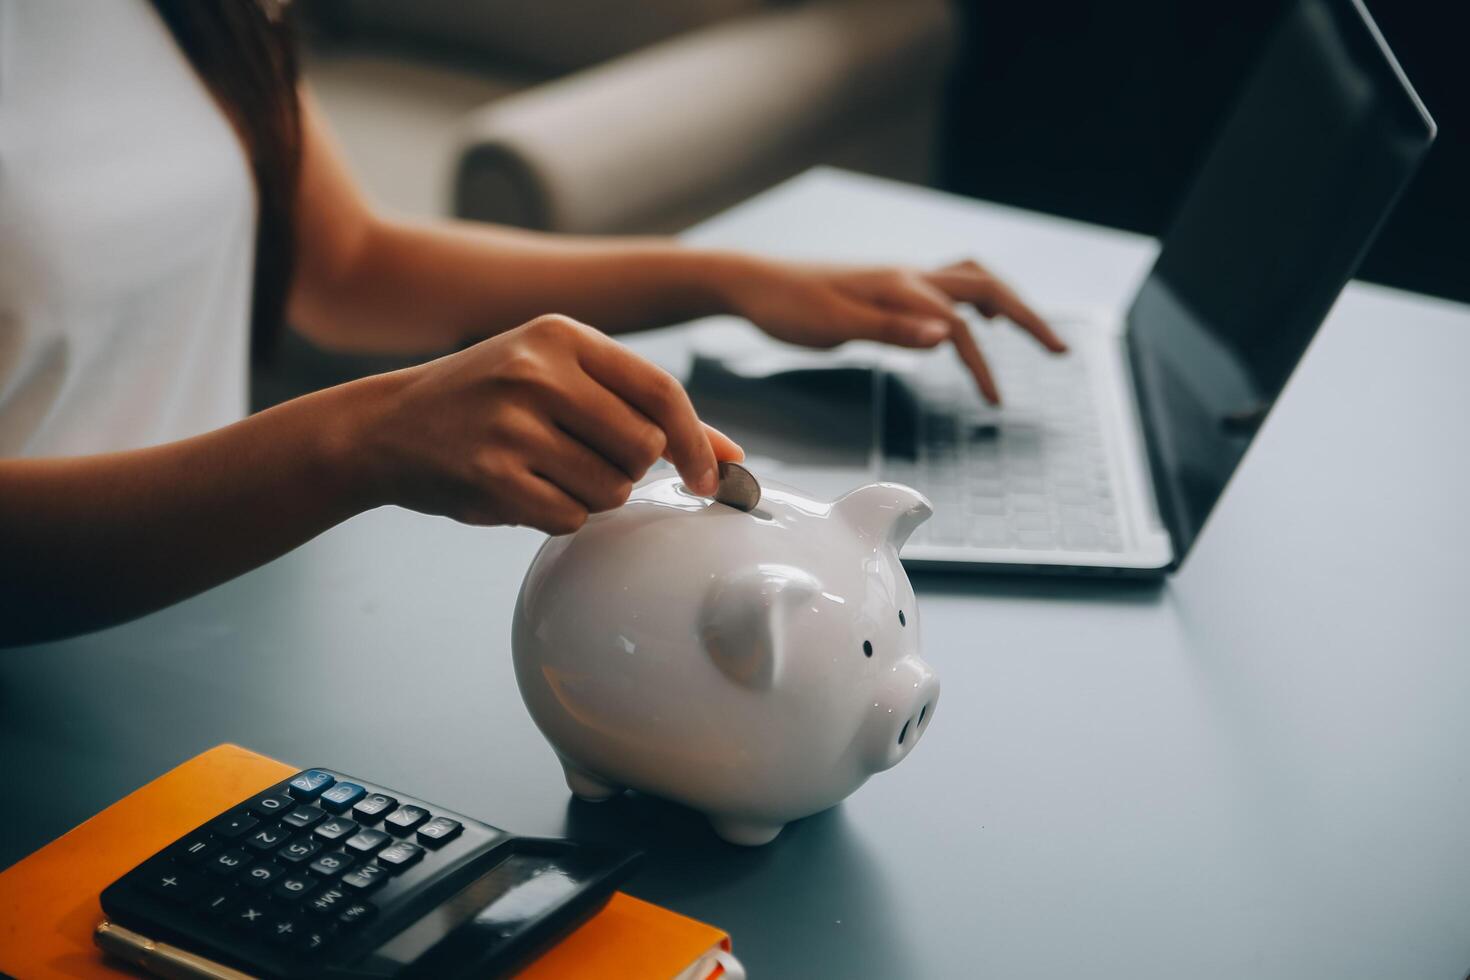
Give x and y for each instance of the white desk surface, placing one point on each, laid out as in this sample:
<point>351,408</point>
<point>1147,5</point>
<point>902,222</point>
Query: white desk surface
<point>1260,769</point>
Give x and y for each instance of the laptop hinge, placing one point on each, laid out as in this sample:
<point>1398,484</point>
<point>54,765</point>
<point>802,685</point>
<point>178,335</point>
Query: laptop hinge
<point>1159,482</point>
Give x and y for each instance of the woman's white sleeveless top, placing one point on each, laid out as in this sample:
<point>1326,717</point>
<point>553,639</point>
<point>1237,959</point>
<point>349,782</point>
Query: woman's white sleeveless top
<point>127,235</point>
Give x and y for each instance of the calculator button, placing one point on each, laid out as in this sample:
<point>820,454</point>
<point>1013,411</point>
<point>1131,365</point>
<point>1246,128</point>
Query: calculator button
<point>342,796</point>
<point>282,930</point>
<point>366,841</point>
<point>227,862</point>
<point>373,806</point>
<point>299,850</point>
<point>262,874</point>
<point>219,902</point>
<point>268,838</point>
<point>309,785</point>
<point>404,819</point>
<point>310,939</point>
<point>331,864</point>
<point>336,828</point>
<point>232,825</point>
<point>356,914</point>
<point>366,878</point>
<point>248,915</point>
<point>399,855</point>
<point>270,804</point>
<point>173,883</point>
<point>439,830</point>
<point>303,817</point>
<point>294,887</point>
<point>197,848</point>
<point>333,900</point>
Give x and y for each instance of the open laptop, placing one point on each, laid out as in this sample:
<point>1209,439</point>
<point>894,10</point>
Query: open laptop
<point>1107,460</point>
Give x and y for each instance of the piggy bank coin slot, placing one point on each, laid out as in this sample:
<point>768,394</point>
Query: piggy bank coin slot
<point>738,488</point>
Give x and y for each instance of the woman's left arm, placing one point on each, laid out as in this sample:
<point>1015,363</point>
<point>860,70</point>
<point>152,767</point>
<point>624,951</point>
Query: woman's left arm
<point>368,282</point>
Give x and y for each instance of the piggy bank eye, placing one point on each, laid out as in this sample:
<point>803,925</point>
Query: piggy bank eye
<point>901,620</point>
<point>867,648</point>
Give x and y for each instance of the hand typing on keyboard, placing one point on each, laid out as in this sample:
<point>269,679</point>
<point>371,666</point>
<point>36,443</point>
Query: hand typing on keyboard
<point>1033,478</point>
<point>826,305</point>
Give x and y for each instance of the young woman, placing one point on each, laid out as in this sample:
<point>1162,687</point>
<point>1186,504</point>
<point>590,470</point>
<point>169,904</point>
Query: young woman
<point>169,197</point>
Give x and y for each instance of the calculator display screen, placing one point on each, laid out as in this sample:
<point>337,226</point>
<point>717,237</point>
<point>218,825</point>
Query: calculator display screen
<point>520,889</point>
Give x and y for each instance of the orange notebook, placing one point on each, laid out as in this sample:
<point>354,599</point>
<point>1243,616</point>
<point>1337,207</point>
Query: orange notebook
<point>49,900</point>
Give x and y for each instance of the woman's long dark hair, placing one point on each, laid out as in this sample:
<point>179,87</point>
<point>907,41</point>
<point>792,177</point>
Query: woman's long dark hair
<point>245,53</point>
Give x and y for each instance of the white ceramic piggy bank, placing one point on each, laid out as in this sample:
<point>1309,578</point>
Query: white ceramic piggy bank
<point>757,667</point>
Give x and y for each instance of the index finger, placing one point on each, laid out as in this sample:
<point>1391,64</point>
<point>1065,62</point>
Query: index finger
<point>726,449</point>
<point>969,351</point>
<point>991,296</point>
<point>656,393</point>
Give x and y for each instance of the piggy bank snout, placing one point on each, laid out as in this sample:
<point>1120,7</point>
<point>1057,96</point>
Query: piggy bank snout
<point>901,712</point>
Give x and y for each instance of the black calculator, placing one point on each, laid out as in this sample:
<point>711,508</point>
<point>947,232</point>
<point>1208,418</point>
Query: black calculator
<point>328,875</point>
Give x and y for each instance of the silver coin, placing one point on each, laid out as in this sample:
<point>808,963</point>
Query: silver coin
<point>738,488</point>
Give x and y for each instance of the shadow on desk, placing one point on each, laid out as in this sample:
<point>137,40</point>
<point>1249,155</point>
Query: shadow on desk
<point>1001,585</point>
<point>813,884</point>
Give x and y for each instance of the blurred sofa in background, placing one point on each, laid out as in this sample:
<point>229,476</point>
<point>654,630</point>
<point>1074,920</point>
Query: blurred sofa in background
<point>623,115</point>
<point>611,116</point>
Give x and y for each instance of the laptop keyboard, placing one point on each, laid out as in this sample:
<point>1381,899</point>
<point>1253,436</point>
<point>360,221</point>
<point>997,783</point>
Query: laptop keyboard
<point>1032,475</point>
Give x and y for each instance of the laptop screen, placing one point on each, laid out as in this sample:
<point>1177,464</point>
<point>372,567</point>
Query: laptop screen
<point>1324,137</point>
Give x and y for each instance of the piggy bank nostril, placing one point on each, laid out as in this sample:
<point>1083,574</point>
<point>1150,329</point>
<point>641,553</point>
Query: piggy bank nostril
<point>922,712</point>
<point>903,732</point>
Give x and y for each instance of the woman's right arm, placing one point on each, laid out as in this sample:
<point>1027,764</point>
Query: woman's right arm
<point>539,426</point>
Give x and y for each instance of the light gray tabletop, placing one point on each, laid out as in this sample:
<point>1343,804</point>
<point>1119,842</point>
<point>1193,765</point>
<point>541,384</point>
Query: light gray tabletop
<point>1258,769</point>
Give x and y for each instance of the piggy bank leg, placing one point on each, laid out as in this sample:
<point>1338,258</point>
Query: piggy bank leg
<point>587,786</point>
<point>748,833</point>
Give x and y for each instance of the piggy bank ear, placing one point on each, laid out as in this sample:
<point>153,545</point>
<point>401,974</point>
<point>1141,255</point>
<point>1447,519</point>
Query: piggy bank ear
<point>887,511</point>
<point>742,619</point>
